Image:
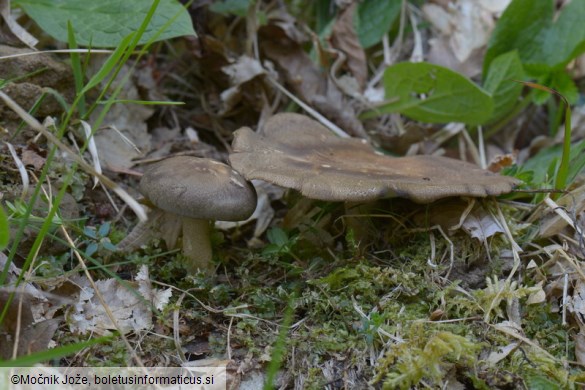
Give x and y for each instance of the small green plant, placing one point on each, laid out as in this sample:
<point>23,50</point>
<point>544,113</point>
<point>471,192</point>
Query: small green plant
<point>408,363</point>
<point>98,239</point>
<point>561,174</point>
<point>18,212</point>
<point>141,31</point>
<point>545,43</point>
<point>280,242</point>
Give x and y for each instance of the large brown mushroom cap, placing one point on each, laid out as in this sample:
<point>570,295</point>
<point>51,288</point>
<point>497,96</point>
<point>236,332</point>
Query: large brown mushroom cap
<point>298,152</point>
<point>199,188</point>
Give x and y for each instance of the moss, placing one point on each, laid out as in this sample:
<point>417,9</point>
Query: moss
<point>425,358</point>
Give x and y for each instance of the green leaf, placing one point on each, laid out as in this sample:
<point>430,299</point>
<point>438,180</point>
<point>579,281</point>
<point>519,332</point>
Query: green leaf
<point>324,14</point>
<point>542,43</point>
<point>549,157</point>
<point>374,19</point>
<point>277,236</point>
<point>91,249</point>
<point>432,93</point>
<point>4,231</point>
<point>576,167</point>
<point>89,232</point>
<point>104,229</point>
<point>559,81</point>
<point>234,7</point>
<point>499,82</point>
<point>105,23</point>
<point>539,382</point>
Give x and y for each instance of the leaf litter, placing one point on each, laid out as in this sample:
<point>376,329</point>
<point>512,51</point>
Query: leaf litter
<point>370,308</point>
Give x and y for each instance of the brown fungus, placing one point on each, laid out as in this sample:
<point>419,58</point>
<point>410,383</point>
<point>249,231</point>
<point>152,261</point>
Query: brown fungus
<point>198,191</point>
<point>297,152</point>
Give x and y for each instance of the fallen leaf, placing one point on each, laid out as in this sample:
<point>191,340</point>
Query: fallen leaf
<point>454,214</point>
<point>31,158</point>
<point>159,298</point>
<point>481,225</point>
<point>501,353</point>
<point>124,136</point>
<point>34,326</point>
<point>345,39</point>
<point>33,336</point>
<point>119,148</point>
<point>501,161</point>
<point>128,302</point>
<point>576,303</point>
<point>465,27</point>
<point>550,222</point>
<point>537,296</point>
<point>244,70</point>
<point>309,83</point>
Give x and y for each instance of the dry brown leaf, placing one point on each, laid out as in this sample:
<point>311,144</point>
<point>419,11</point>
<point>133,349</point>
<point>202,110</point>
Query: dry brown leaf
<point>465,22</point>
<point>158,298</point>
<point>288,24</point>
<point>450,215</point>
<point>441,53</point>
<point>501,353</point>
<point>501,161</point>
<point>130,308</point>
<point>576,303</point>
<point>118,148</point>
<point>552,223</point>
<point>309,83</point>
<point>244,70</point>
<point>12,322</point>
<point>345,39</point>
<point>35,325</point>
<point>465,27</point>
<point>31,158</point>
<point>481,225</point>
<point>33,336</point>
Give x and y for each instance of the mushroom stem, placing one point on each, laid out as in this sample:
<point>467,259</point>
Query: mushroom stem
<point>358,220</point>
<point>197,244</point>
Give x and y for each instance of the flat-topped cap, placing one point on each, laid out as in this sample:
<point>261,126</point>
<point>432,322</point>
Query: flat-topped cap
<point>198,188</point>
<point>297,152</point>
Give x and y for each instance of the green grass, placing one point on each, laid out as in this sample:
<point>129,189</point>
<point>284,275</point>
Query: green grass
<point>125,54</point>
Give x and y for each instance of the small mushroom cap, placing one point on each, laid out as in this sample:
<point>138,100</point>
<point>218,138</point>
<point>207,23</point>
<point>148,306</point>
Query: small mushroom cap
<point>297,152</point>
<point>198,188</point>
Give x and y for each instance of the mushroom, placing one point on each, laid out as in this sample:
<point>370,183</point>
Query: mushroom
<point>297,152</point>
<point>198,191</point>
